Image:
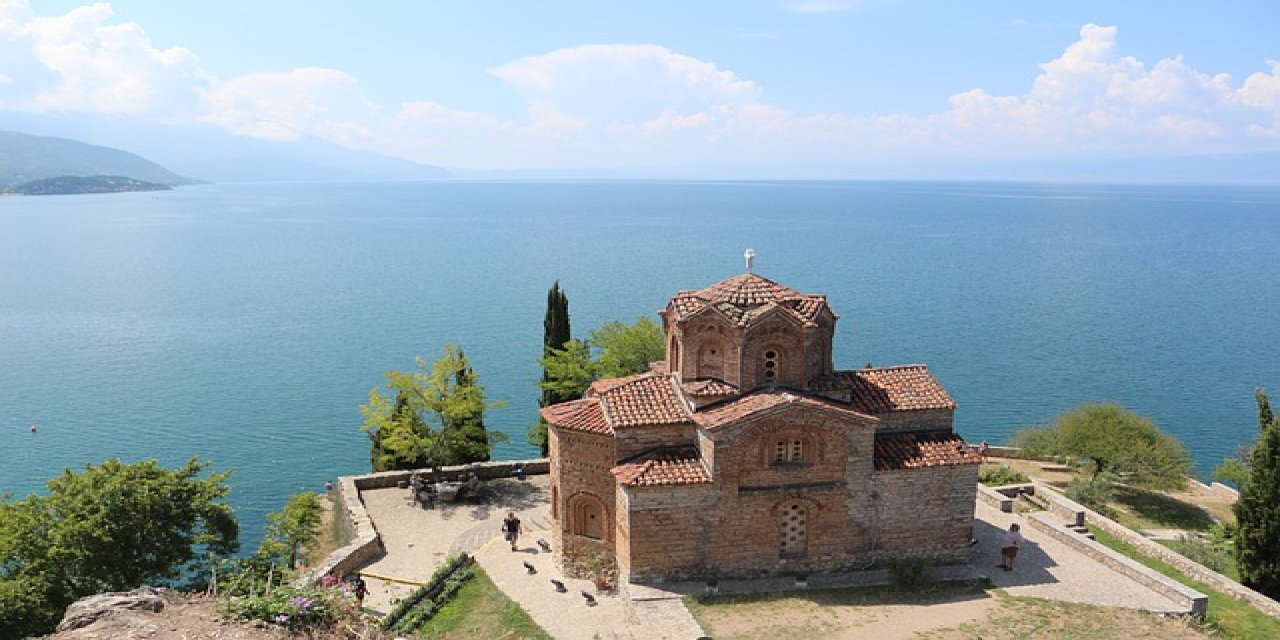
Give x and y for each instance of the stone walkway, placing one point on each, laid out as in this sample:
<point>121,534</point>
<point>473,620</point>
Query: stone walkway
<point>1050,569</point>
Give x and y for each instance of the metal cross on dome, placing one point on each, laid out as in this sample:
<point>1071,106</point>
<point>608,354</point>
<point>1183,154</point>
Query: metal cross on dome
<point>750,256</point>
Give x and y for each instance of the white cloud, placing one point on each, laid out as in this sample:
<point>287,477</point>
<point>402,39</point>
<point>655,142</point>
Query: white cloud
<point>312,101</point>
<point>81,62</point>
<point>630,104</point>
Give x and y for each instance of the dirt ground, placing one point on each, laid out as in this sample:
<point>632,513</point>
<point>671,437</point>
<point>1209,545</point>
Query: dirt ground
<point>964,616</point>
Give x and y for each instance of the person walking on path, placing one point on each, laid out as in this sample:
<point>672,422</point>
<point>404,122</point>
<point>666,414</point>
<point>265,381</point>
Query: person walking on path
<point>360,589</point>
<point>1009,547</point>
<point>983,448</point>
<point>511,529</point>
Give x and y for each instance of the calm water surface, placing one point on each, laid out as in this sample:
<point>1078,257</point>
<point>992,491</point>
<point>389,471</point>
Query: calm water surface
<point>244,324</point>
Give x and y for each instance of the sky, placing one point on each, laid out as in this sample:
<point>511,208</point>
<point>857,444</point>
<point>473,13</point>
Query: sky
<point>549,84</point>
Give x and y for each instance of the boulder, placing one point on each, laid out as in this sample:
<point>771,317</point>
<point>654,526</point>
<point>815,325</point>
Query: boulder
<point>86,611</point>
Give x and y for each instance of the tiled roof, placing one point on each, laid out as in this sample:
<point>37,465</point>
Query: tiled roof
<point>915,451</point>
<point>579,415</point>
<point>904,388</point>
<point>747,296</point>
<point>709,387</point>
<point>641,400</point>
<point>744,406</point>
<point>663,467</point>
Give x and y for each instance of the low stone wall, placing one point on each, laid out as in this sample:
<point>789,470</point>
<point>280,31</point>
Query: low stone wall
<point>367,545</point>
<point>1192,569</point>
<point>1190,600</point>
<point>995,498</point>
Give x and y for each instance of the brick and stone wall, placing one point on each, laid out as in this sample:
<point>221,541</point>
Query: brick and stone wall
<point>926,512</point>
<point>580,464</point>
<point>928,420</point>
<point>633,440</point>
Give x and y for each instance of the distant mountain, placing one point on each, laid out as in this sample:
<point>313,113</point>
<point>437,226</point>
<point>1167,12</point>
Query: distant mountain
<point>211,153</point>
<point>69,185</point>
<point>27,158</point>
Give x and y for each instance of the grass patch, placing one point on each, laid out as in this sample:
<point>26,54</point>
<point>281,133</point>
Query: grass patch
<point>1231,617</point>
<point>1020,617</point>
<point>480,611</point>
<point>812,613</point>
<point>1143,509</point>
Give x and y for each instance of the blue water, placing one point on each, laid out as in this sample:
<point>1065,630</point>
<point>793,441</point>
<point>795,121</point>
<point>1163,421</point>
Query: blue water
<point>244,324</point>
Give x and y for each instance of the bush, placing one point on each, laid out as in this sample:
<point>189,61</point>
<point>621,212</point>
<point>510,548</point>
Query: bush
<point>1093,492</point>
<point>1211,553</point>
<point>288,607</point>
<point>909,574</point>
<point>1002,475</point>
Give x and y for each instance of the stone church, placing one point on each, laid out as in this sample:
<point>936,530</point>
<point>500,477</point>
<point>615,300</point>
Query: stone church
<point>746,453</point>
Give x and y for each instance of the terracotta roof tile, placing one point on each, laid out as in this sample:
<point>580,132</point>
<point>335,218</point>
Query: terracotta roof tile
<point>663,467</point>
<point>579,415</point>
<point>733,410</point>
<point>747,296</point>
<point>915,451</point>
<point>641,400</point>
<point>708,387</point>
<point>904,388</point>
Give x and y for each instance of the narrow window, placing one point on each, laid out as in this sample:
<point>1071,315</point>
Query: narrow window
<point>797,451</point>
<point>770,365</point>
<point>780,451</point>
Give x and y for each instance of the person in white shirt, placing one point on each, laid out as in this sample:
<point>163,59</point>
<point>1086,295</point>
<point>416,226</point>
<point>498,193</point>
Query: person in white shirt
<point>1009,547</point>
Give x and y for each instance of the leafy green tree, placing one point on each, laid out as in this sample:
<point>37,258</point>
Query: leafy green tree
<point>1236,469</point>
<point>295,526</point>
<point>436,419</point>
<point>109,527</point>
<point>627,349</point>
<point>1114,439</point>
<point>1258,511</point>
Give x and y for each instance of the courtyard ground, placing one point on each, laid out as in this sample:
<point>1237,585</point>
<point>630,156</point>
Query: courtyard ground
<point>418,540</point>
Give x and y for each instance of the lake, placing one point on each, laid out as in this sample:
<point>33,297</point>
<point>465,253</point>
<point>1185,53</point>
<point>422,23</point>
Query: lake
<point>245,324</point>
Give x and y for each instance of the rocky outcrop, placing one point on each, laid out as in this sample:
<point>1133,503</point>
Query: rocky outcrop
<point>86,611</point>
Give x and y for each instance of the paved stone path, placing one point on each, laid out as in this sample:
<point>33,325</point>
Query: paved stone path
<point>1049,569</point>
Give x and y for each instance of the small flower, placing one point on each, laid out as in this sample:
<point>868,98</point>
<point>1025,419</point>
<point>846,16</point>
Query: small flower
<point>300,602</point>
<point>282,619</point>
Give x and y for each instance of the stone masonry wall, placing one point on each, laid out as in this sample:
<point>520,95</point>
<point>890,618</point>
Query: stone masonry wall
<point>580,465</point>
<point>928,420</point>
<point>633,440</point>
<point>926,512</point>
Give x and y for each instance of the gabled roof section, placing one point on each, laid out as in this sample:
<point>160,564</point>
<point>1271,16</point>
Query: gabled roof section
<point>744,297</point>
<point>708,388</point>
<point>579,415</point>
<point>663,467</point>
<point>917,451</point>
<point>764,400</point>
<point>903,388</point>
<point>644,399</point>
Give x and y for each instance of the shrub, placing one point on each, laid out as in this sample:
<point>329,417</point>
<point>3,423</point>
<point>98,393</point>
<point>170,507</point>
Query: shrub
<point>1002,475</point>
<point>288,607</point>
<point>1093,492</point>
<point>909,574</point>
<point>1208,552</point>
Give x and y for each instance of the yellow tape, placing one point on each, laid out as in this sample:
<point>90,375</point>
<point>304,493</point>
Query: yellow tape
<point>367,574</point>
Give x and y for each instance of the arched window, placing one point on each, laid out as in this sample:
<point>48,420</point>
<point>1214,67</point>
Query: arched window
<point>771,366</point>
<point>793,530</point>
<point>587,516</point>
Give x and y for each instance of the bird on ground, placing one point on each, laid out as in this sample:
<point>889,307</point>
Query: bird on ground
<point>591,600</point>
<point>546,546</point>
<point>559,585</point>
<point>530,568</point>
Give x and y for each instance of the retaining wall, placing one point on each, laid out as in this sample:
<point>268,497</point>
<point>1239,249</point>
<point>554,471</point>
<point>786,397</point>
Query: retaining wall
<point>367,545</point>
<point>1192,569</point>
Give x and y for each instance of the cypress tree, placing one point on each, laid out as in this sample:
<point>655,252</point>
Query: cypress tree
<point>555,335</point>
<point>1258,510</point>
